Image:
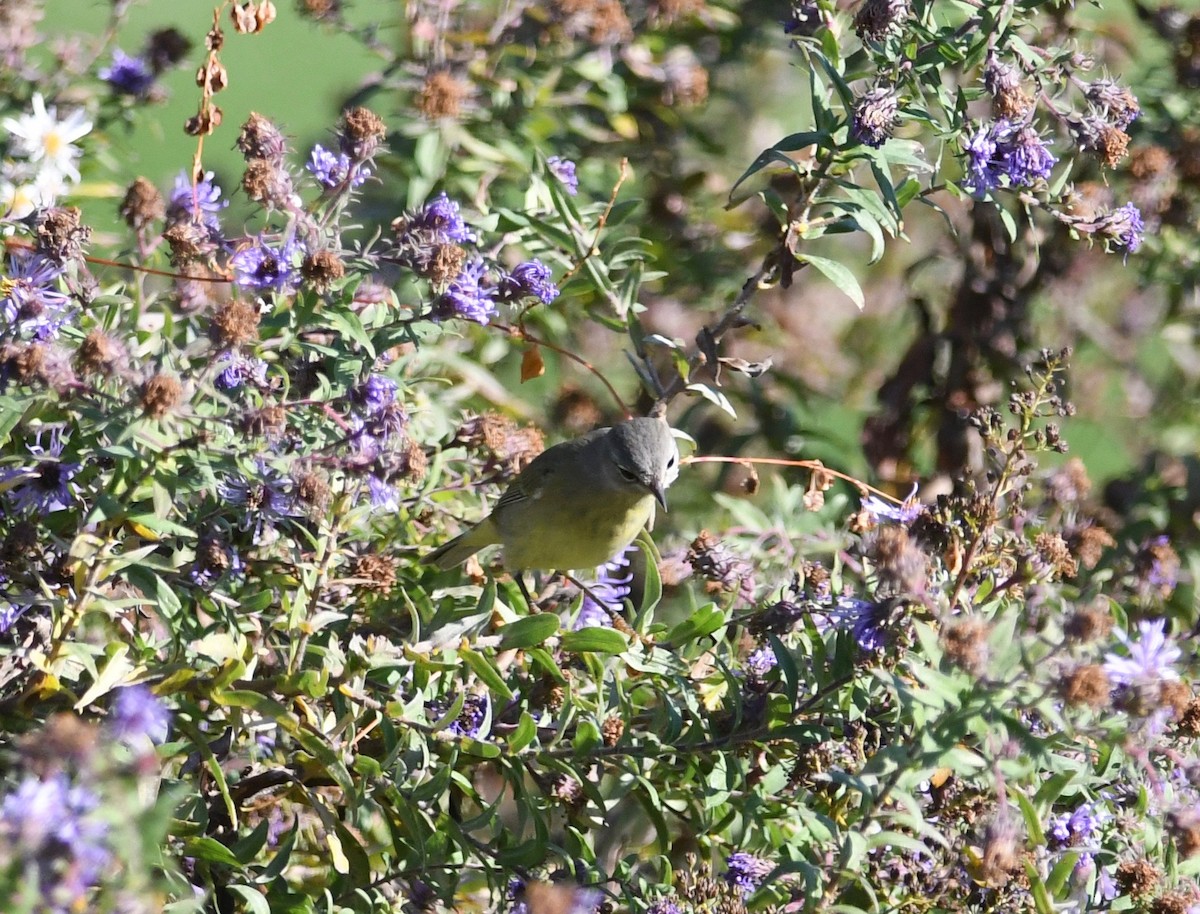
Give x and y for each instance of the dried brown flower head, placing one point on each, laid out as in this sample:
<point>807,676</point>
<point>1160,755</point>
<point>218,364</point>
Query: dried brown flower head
<point>1136,878</point>
<point>160,395</point>
<point>59,233</point>
<point>1086,684</point>
<point>142,205</point>
<point>376,573</point>
<point>1001,852</point>
<point>1053,551</point>
<point>321,270</point>
<point>1088,624</point>
<point>234,323</point>
<point>261,139</point>
<point>966,644</point>
<point>900,564</point>
<point>875,19</point>
<point>268,422</point>
<point>612,729</point>
<point>442,94</point>
<point>268,183</point>
<point>362,131</point>
<point>509,447</point>
<point>1088,544</point>
<point>312,490</point>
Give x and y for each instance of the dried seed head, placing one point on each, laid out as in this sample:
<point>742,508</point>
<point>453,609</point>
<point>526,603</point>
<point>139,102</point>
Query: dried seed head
<point>413,462</point>
<point>319,9</point>
<point>445,263</point>
<point>312,490</point>
<point>612,729</point>
<point>26,363</point>
<point>362,130</point>
<point>1088,544</point>
<point>269,422</point>
<point>1086,685</point>
<point>267,183</point>
<point>189,242</point>
<point>261,139</point>
<point>60,233</point>
<point>161,394</point>
<point>1087,625</point>
<point>377,573</point>
<point>321,270</point>
<point>1136,878</point>
<point>719,566</point>
<point>1176,902</point>
<point>441,95</point>
<point>1053,551</point>
<point>509,448</point>
<point>965,644</point>
<point>233,324</point>
<point>1175,695</point>
<point>685,80</point>
<point>67,742</point>
<point>1188,723</point>
<point>1001,857</point>
<point>876,19</point>
<point>101,354</point>
<point>900,564</point>
<point>142,205</point>
<point>1009,97</point>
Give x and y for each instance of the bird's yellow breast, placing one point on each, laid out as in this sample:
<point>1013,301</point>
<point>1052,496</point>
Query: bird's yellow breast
<point>579,532</point>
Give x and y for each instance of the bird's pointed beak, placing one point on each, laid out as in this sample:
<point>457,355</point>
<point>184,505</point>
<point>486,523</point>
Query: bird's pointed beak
<point>660,494</point>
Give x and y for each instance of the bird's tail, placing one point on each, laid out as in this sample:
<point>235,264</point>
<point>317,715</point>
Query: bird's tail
<point>463,546</point>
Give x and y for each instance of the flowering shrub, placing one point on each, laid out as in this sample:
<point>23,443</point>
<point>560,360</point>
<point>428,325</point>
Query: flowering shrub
<point>230,434</point>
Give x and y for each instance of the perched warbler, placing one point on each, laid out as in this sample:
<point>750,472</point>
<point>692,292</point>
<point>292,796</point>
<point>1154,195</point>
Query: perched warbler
<point>578,503</point>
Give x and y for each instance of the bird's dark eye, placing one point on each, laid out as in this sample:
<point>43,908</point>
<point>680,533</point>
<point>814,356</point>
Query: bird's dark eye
<point>671,462</point>
<point>627,474</point>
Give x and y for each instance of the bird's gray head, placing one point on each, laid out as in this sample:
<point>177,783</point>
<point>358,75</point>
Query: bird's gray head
<point>645,454</point>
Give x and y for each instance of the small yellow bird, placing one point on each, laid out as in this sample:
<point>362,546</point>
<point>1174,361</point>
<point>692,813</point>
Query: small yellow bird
<point>578,503</point>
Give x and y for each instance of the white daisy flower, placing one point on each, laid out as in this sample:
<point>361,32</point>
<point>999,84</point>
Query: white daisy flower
<point>41,137</point>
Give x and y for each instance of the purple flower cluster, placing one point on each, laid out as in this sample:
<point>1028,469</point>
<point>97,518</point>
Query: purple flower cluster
<point>476,709</point>
<point>1150,659</point>
<point>531,279</point>
<point>1072,829</point>
<point>49,826</point>
<point>236,370</point>
<point>45,486</point>
<point>30,305</point>
<point>128,75</point>
<point>138,715</point>
<point>469,295</point>
<point>1004,152</point>
<point>266,497</point>
<point>335,169</point>
<point>904,513</point>
<point>272,266</point>
<point>201,203</point>
<point>867,620</point>
<point>761,662</point>
<point>440,221</point>
<point>564,171</point>
<point>746,871</point>
<point>612,586</point>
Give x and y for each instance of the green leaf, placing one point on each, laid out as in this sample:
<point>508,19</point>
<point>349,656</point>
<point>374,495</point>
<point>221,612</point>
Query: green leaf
<point>210,850</point>
<point>595,640</point>
<point>525,733</point>
<point>256,901</point>
<point>838,274</point>
<point>483,668</point>
<point>529,631</point>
